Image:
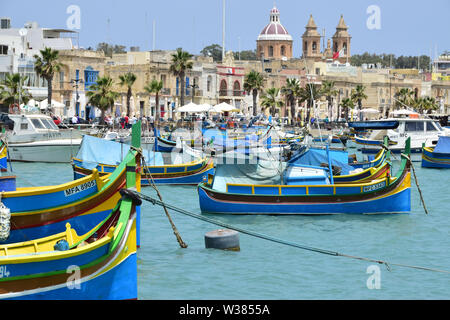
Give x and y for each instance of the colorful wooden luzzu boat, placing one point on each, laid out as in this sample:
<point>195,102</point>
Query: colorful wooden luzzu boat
<point>37,212</point>
<point>102,155</point>
<point>3,156</point>
<point>191,173</point>
<point>391,194</point>
<point>100,264</point>
<point>438,156</point>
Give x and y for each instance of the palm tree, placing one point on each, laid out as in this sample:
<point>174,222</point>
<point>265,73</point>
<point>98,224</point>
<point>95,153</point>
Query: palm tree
<point>310,93</point>
<point>128,80</point>
<point>270,100</point>
<point>404,97</point>
<point>290,91</point>
<point>425,104</point>
<point>180,64</point>
<point>155,87</point>
<point>12,91</point>
<point>102,96</point>
<point>357,95</point>
<point>346,104</point>
<point>254,82</point>
<point>46,66</point>
<point>329,92</point>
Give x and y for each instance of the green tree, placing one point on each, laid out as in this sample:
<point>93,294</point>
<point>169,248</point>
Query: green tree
<point>155,87</point>
<point>424,104</point>
<point>404,98</point>
<point>181,62</point>
<point>246,55</point>
<point>346,104</point>
<point>254,82</point>
<point>127,80</point>
<point>102,96</point>
<point>214,51</point>
<point>12,91</point>
<point>109,49</point>
<point>310,93</point>
<point>328,90</point>
<point>270,100</point>
<point>46,65</point>
<point>290,91</point>
<point>358,95</point>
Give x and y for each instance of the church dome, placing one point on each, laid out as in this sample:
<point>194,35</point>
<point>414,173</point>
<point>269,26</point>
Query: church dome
<point>274,30</point>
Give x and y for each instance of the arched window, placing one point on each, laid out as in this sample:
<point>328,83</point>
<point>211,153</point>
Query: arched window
<point>305,47</point>
<point>335,47</point>
<point>271,51</point>
<point>283,51</point>
<point>237,88</point>
<point>345,47</point>
<point>223,88</point>
<point>314,47</point>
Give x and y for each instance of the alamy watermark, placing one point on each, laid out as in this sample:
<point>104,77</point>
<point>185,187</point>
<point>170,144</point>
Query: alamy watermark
<point>73,281</point>
<point>374,20</point>
<point>74,20</point>
<point>374,280</point>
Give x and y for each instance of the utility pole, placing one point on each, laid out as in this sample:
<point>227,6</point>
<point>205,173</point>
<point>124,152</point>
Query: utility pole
<point>223,31</point>
<point>154,36</point>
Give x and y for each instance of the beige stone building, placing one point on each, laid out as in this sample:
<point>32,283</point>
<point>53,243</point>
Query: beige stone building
<point>200,84</point>
<point>80,69</point>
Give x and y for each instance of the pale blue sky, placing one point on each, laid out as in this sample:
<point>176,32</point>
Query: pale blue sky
<point>408,27</point>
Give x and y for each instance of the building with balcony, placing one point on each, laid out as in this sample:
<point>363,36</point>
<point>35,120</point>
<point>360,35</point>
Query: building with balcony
<point>19,45</point>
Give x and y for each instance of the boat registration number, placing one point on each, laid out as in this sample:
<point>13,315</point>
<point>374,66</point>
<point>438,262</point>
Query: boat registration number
<point>4,272</point>
<point>374,187</point>
<point>148,140</point>
<point>74,190</point>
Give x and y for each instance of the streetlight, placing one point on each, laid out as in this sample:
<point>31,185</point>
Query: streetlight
<point>75,83</point>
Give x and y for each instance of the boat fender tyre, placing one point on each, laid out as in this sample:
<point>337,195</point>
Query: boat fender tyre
<point>222,239</point>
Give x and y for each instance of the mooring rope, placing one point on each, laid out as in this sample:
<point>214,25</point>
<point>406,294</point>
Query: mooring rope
<point>417,183</point>
<point>153,185</point>
<point>280,241</point>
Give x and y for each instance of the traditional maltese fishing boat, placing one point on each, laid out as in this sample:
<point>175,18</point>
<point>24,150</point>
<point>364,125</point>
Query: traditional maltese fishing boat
<point>37,212</point>
<point>3,156</point>
<point>438,156</point>
<point>98,264</point>
<point>306,191</point>
<point>103,155</point>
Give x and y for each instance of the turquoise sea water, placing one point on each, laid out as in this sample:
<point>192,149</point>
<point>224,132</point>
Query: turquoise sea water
<point>267,270</point>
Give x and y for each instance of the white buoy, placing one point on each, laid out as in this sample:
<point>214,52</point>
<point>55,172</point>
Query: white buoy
<point>224,239</point>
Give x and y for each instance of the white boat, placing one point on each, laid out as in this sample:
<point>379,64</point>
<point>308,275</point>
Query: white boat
<point>36,138</point>
<point>423,132</point>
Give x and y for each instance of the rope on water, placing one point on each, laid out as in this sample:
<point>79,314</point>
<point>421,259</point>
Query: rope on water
<point>269,238</point>
<point>417,183</point>
<point>153,185</point>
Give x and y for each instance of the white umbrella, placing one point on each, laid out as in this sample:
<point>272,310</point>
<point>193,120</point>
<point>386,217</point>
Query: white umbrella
<point>55,104</point>
<point>191,107</point>
<point>370,111</point>
<point>206,107</point>
<point>224,107</point>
